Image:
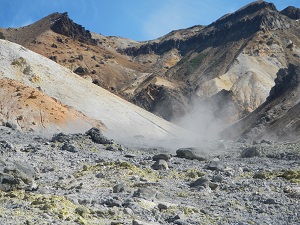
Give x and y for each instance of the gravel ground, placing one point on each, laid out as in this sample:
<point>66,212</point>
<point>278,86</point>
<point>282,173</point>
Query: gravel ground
<point>74,179</point>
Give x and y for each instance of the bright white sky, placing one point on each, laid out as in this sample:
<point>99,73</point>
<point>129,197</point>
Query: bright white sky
<point>136,19</point>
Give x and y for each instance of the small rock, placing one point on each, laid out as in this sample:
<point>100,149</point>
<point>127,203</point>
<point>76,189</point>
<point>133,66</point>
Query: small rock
<point>10,125</point>
<point>68,147</point>
<point>270,201</point>
<point>160,165</point>
<point>203,182</point>
<point>111,148</point>
<point>213,186</point>
<point>250,152</point>
<point>189,153</point>
<point>146,193</point>
<point>119,188</point>
<point>163,206</point>
<point>137,222</point>
<point>128,211</point>
<point>100,175</point>
<point>82,211</point>
<point>111,202</point>
<point>217,178</point>
<point>161,156</point>
<point>130,156</point>
<point>216,165</point>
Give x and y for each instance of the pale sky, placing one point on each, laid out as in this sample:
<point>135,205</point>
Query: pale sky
<point>136,19</point>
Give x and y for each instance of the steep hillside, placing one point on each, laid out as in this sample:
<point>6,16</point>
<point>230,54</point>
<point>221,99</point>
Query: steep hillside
<point>89,55</point>
<point>278,118</point>
<point>29,109</point>
<point>123,120</point>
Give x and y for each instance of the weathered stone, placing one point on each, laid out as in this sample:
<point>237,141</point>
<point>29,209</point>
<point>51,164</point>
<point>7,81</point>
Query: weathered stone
<point>189,153</point>
<point>250,152</point>
<point>146,193</point>
<point>216,165</point>
<point>161,156</point>
<point>160,165</point>
<point>119,188</point>
<point>202,182</point>
<point>97,136</point>
<point>111,202</point>
<point>270,201</point>
<point>68,147</point>
<point>16,175</point>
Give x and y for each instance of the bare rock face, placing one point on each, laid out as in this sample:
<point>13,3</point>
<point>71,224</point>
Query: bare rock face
<point>278,118</point>
<point>62,24</point>
<point>286,80</point>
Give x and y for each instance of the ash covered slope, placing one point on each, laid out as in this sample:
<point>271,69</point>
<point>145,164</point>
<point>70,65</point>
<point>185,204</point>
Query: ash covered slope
<point>278,118</point>
<point>28,109</point>
<point>239,53</point>
<point>121,118</point>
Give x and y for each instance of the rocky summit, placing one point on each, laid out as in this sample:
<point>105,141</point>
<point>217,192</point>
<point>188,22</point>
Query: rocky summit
<point>200,126</point>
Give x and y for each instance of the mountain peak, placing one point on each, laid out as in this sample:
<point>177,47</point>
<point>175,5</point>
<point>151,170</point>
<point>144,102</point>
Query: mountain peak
<point>62,24</point>
<point>291,12</point>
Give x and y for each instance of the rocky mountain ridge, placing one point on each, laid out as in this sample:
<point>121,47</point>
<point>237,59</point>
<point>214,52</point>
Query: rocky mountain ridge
<point>226,68</point>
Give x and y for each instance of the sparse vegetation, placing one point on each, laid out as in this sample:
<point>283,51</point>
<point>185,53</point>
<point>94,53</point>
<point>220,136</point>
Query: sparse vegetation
<point>195,62</point>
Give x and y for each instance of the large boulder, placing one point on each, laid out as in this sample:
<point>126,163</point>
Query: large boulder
<point>16,176</point>
<point>97,137</point>
<point>189,153</point>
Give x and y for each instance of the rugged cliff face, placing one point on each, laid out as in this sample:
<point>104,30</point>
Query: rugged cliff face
<point>277,118</point>
<point>62,24</point>
<point>239,53</point>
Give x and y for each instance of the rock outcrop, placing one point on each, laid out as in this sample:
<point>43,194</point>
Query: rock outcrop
<point>277,118</point>
<point>62,24</point>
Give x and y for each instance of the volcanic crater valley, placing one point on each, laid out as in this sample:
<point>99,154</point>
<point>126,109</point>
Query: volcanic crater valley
<point>200,126</point>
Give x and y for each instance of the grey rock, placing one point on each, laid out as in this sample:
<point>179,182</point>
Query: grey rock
<point>137,222</point>
<point>216,165</point>
<point>17,175</point>
<point>69,147</point>
<point>202,182</point>
<point>161,156</point>
<point>130,156</point>
<point>181,217</point>
<point>189,153</point>
<point>97,137</point>
<point>213,186</point>
<point>11,125</point>
<point>111,202</point>
<point>160,165</point>
<point>270,201</point>
<point>217,178</point>
<point>250,152</point>
<point>119,188</point>
<point>61,137</point>
<point>162,206</point>
<point>100,175</point>
<point>146,193</point>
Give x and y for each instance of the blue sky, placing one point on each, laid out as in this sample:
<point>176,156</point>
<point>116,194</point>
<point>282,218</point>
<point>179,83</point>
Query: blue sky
<point>136,19</point>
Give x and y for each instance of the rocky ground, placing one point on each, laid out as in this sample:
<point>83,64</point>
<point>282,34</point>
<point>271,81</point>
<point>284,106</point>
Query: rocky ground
<point>88,179</point>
